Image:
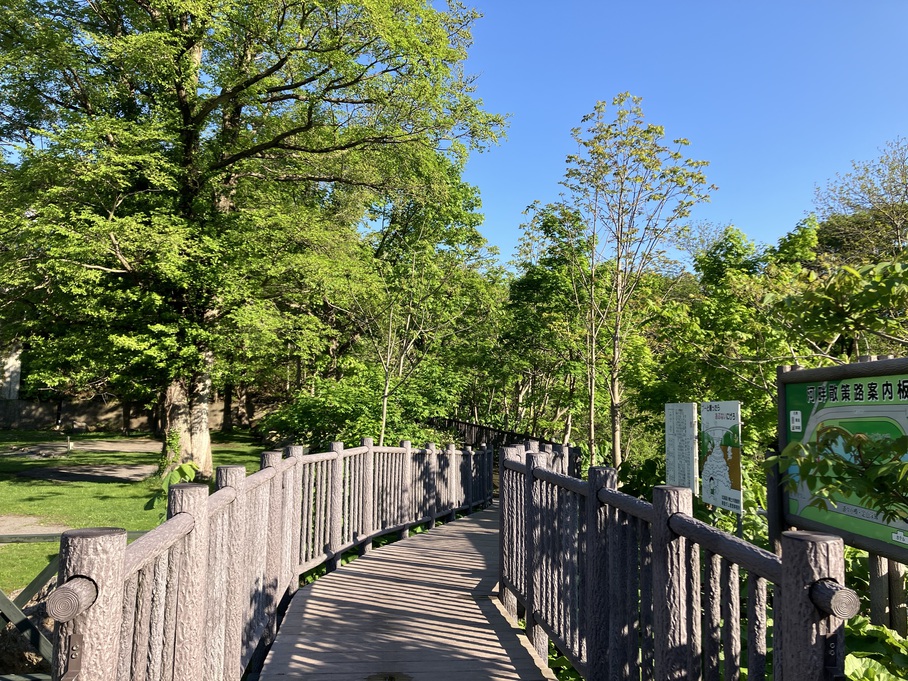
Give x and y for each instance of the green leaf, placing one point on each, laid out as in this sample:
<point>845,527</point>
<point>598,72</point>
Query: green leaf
<point>867,669</point>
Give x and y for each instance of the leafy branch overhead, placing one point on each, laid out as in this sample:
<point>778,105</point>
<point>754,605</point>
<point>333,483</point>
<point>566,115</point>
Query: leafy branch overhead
<point>861,303</point>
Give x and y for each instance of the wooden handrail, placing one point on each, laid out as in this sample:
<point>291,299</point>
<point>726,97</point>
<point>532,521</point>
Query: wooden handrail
<point>220,500</point>
<point>752,558</point>
<point>625,502</point>
<point>148,547</point>
<point>580,487</point>
<point>209,581</point>
<point>640,611</point>
<point>514,466</point>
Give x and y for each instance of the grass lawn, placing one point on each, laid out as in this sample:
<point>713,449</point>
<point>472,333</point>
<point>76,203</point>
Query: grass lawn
<point>85,504</point>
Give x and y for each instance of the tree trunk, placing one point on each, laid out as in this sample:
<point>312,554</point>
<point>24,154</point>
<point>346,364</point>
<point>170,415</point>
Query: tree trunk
<point>569,419</point>
<point>616,393</point>
<point>154,417</point>
<point>199,433</point>
<point>241,416</point>
<point>384,419</point>
<point>175,423</point>
<point>186,434</point>
<point>592,416</point>
<point>126,407</point>
<point>227,419</point>
<point>591,392</point>
<point>250,406</point>
<point>616,389</point>
<point>384,410</point>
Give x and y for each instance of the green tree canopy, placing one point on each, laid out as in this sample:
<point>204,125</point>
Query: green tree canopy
<point>170,165</point>
<point>865,211</point>
<point>628,192</point>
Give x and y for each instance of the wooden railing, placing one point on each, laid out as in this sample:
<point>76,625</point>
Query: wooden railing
<point>198,597</point>
<point>476,433</point>
<point>615,583</point>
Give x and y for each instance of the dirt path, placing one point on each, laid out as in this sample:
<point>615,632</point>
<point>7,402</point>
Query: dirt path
<point>59,448</point>
<point>26,524</point>
<point>111,473</point>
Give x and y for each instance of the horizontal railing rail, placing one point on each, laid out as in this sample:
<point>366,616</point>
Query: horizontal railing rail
<point>615,583</point>
<point>200,595</point>
<point>50,537</point>
<point>562,459</point>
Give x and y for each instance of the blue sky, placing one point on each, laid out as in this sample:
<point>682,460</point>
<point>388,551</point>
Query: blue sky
<point>777,96</point>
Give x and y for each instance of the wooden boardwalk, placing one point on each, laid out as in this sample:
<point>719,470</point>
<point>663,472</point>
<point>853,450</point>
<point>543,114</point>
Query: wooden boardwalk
<point>422,609</point>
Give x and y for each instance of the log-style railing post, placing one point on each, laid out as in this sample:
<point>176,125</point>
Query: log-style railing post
<point>406,500</point>
<point>97,555</point>
<point>432,487</point>
<point>595,610</point>
<point>484,460</point>
<point>467,478</point>
<point>557,453</point>
<point>620,620</point>
<point>507,540</point>
<point>879,590</point>
<point>537,637</point>
<point>274,543</point>
<point>549,452</point>
<point>189,622</point>
<point>898,606</point>
<point>671,580</point>
<point>368,494</point>
<point>486,473</point>
<point>235,477</point>
<point>296,517</point>
<point>453,481</point>
<point>810,643</point>
<point>336,506</point>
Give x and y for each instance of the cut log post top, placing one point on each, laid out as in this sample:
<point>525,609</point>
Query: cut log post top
<point>72,599</point>
<point>82,551</point>
<point>832,598</point>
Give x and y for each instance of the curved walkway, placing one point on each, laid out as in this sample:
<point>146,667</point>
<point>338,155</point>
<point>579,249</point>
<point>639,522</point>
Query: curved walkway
<point>422,609</point>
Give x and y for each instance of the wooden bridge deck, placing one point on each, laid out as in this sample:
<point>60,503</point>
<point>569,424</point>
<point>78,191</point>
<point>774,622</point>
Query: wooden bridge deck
<point>422,609</point>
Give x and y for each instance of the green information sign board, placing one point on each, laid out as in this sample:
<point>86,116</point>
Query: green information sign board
<point>869,398</point>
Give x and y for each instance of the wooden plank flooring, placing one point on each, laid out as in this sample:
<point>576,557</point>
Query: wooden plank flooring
<point>421,609</point>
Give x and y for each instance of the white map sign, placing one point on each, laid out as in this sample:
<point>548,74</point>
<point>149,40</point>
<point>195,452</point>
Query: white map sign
<point>681,468</point>
<point>720,452</point>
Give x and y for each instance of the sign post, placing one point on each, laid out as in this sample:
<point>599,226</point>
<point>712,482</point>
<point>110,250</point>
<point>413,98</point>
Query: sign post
<point>681,466</point>
<point>720,454</point>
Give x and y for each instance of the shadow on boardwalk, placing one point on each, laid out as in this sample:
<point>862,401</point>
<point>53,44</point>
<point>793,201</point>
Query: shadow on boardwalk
<point>419,609</point>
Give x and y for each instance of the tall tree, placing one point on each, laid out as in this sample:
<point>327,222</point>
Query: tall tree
<point>149,144</point>
<point>865,212</point>
<point>628,192</point>
<point>542,338</point>
<point>427,262</point>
